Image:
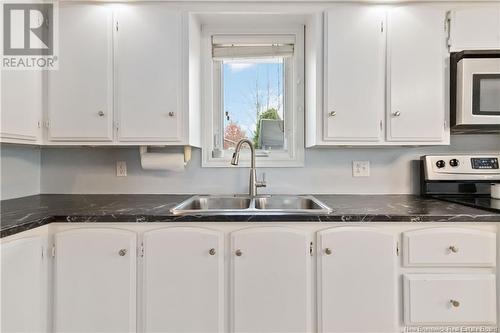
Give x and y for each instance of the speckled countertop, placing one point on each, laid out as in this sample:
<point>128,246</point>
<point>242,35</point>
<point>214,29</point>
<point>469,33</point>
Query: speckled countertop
<point>30,212</point>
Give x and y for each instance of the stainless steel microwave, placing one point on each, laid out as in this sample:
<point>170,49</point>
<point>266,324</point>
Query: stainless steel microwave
<point>475,91</point>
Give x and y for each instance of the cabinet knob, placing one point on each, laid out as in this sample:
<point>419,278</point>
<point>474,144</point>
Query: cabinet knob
<point>171,114</point>
<point>238,253</point>
<point>100,114</point>
<point>453,249</point>
<point>454,303</point>
<point>212,252</point>
<point>328,251</point>
<point>122,252</point>
<point>396,114</point>
<point>332,113</point>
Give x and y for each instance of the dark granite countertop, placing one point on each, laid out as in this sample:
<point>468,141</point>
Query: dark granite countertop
<point>30,212</point>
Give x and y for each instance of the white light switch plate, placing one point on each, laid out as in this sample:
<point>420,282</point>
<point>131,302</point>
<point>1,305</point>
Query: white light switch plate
<point>360,168</point>
<point>121,169</point>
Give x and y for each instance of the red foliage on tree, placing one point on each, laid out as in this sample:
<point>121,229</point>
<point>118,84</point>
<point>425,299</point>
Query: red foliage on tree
<point>232,134</point>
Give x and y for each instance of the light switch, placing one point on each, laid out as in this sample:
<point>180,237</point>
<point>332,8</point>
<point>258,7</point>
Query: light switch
<point>360,168</point>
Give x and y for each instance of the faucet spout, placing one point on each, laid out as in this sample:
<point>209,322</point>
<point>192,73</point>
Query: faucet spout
<point>236,156</point>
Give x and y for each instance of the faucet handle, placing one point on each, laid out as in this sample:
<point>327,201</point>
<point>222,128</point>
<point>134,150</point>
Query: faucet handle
<point>262,182</point>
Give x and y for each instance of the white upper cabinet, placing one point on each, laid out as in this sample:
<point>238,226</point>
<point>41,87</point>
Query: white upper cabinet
<point>80,102</point>
<point>23,290</point>
<point>21,109</point>
<point>383,76</point>
<point>271,280</point>
<point>95,280</point>
<point>354,62</point>
<point>124,75</point>
<point>357,280</point>
<point>149,73</point>
<point>476,28</point>
<point>183,280</point>
<point>416,74</point>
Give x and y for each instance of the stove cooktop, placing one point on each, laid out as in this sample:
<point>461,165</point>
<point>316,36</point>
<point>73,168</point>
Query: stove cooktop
<point>480,202</point>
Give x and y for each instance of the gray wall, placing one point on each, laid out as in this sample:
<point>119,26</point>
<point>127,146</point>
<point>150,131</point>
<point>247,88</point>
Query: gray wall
<point>92,170</point>
<point>19,171</point>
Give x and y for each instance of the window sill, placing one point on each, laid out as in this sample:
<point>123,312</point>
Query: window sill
<point>260,163</point>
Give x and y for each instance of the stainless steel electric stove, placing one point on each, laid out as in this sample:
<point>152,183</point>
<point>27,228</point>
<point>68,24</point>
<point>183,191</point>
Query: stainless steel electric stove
<point>461,178</point>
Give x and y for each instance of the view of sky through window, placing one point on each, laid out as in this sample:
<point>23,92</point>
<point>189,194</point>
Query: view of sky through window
<point>253,102</point>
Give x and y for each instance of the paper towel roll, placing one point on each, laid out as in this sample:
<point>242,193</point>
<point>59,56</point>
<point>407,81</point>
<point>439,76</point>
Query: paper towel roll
<point>162,161</point>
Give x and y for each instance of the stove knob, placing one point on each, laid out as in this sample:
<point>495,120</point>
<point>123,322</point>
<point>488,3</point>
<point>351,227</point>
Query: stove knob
<point>454,162</point>
<point>440,164</point>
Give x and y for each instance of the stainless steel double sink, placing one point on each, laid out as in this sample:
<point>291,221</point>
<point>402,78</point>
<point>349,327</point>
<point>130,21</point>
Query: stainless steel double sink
<point>265,204</point>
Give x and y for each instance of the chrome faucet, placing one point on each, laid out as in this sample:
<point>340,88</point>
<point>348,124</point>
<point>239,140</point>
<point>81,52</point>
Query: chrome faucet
<point>254,183</point>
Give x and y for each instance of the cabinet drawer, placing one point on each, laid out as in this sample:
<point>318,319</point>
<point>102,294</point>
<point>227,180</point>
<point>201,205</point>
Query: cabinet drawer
<point>455,299</point>
<point>458,247</point>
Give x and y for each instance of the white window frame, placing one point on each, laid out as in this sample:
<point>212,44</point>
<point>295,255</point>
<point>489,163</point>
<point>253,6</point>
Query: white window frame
<point>294,100</point>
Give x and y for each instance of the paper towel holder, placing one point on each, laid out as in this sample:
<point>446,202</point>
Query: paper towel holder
<point>187,152</point>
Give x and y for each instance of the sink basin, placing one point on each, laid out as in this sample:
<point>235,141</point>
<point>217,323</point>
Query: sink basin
<point>289,202</point>
<point>203,203</point>
<point>271,204</point>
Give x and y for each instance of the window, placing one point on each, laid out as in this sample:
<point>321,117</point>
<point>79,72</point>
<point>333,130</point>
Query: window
<point>252,101</point>
<point>256,92</point>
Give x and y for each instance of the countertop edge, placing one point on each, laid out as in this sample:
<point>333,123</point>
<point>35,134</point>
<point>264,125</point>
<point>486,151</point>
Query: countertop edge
<point>330,218</point>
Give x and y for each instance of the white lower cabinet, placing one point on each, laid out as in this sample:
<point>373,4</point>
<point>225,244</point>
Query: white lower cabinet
<point>23,287</point>
<point>270,280</point>
<point>357,280</point>
<point>270,277</point>
<point>95,280</point>
<point>458,247</point>
<point>450,299</point>
<point>182,280</point>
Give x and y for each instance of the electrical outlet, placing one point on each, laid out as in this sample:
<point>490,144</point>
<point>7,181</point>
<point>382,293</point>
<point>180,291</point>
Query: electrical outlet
<point>121,169</point>
<point>360,168</point>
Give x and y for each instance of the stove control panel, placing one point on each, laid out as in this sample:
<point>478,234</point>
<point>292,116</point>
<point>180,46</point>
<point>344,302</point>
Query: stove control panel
<point>462,167</point>
<point>484,163</point>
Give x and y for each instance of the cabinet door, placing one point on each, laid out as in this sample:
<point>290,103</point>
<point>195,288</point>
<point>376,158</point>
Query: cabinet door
<point>80,104</point>
<point>271,280</point>
<point>357,281</point>
<point>24,308</point>
<point>355,73</point>
<point>94,280</point>
<point>148,72</point>
<point>21,105</point>
<point>475,28</point>
<point>183,276</point>
<point>416,67</point>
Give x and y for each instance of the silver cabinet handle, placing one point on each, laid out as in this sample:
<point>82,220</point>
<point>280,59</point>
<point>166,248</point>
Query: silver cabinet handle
<point>122,252</point>
<point>171,114</point>
<point>454,303</point>
<point>396,114</point>
<point>453,249</point>
<point>100,114</point>
<point>212,252</point>
<point>328,251</point>
<point>332,113</point>
<point>238,253</point>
